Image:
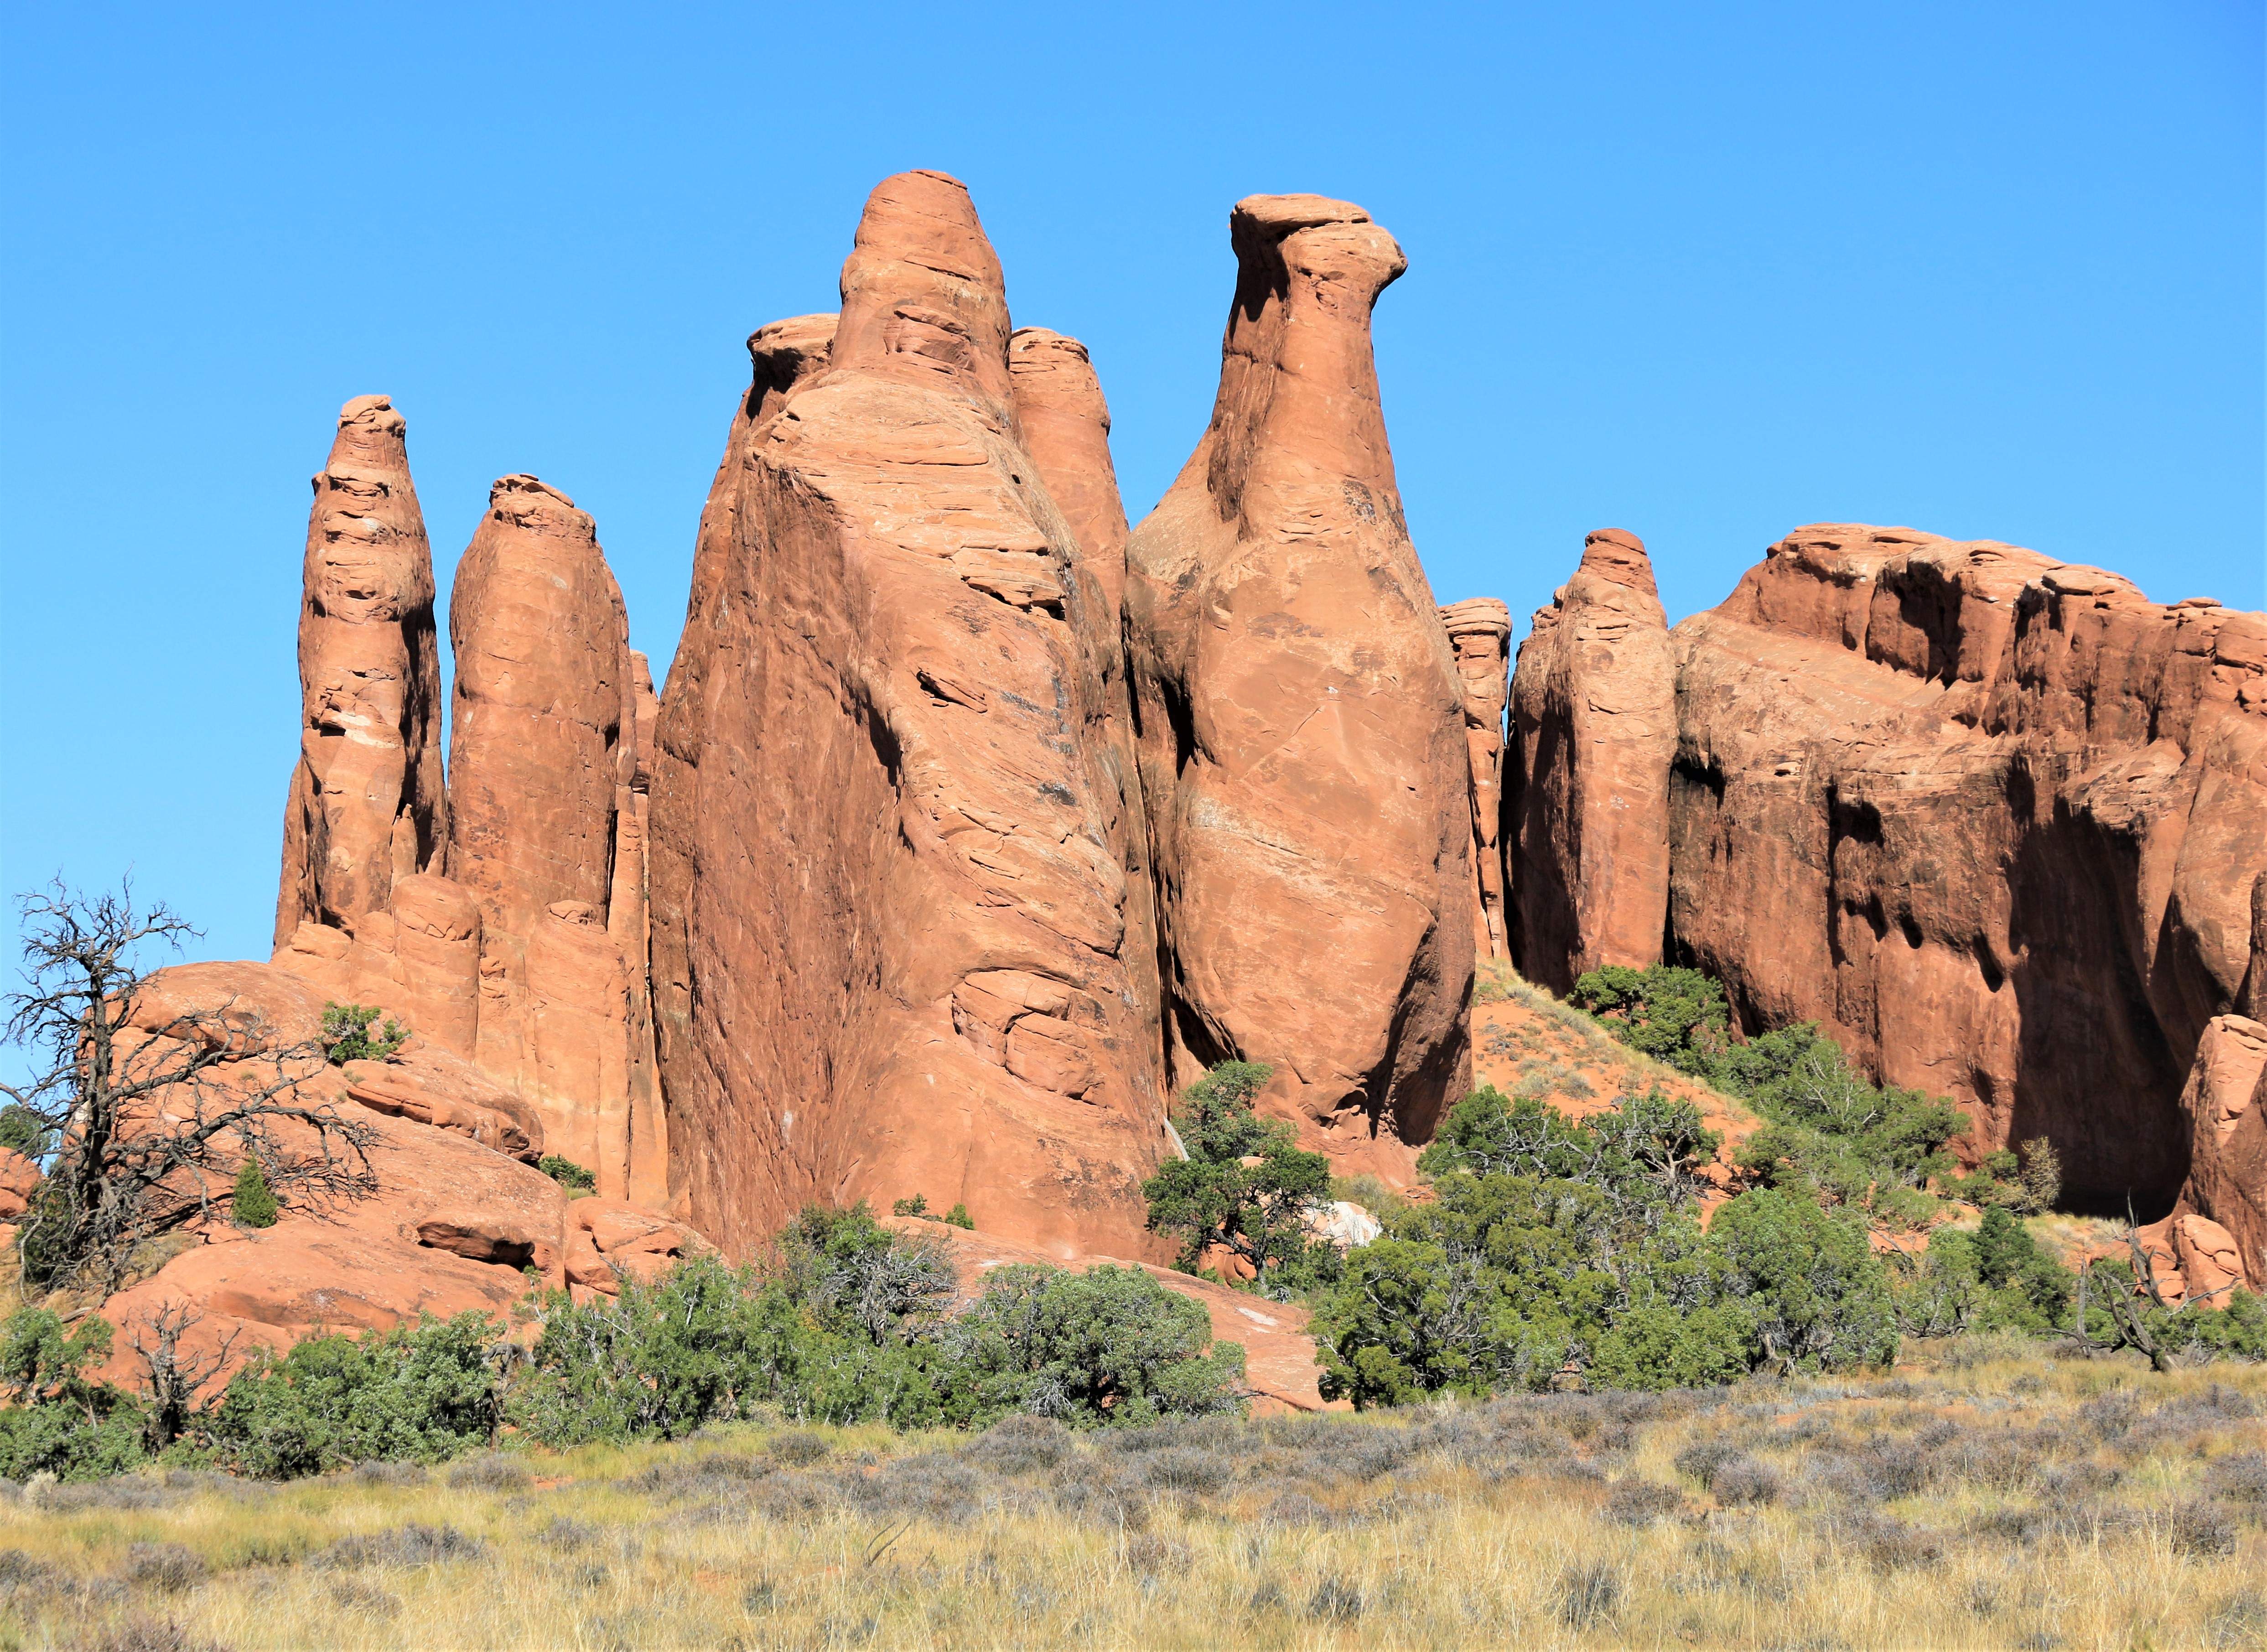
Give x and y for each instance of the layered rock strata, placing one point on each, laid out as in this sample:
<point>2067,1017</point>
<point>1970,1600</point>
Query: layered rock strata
<point>367,804</point>
<point>1594,720</point>
<point>1994,820</point>
<point>1480,630</point>
<point>1300,720</point>
<point>896,948</point>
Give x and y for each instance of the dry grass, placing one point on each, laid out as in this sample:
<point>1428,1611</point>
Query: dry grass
<point>1985,1496</point>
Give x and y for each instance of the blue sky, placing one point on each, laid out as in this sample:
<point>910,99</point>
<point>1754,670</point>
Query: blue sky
<point>1702,272</point>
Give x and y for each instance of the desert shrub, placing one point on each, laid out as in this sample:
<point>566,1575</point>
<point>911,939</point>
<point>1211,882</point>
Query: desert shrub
<point>419,1394</point>
<point>253,1204</point>
<point>567,1174</point>
<point>58,1420</point>
<point>1996,1279</point>
<point>413,1545</point>
<point>347,1035</point>
<point>1555,1246</point>
<point>851,1323</point>
<point>1818,1295</point>
<point>1639,1502</point>
<point>1257,1209</point>
<point>1108,1345</point>
<point>167,1568</point>
<point>24,1131</point>
<point>1588,1594</point>
<point>1828,1129</point>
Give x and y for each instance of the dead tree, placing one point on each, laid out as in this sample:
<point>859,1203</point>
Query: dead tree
<point>151,1125</point>
<point>175,1380</point>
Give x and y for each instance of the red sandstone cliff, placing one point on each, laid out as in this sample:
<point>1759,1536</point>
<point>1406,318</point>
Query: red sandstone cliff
<point>1301,719</point>
<point>1996,821</point>
<point>897,949</point>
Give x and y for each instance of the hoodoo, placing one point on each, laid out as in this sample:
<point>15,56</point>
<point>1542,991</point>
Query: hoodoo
<point>547,836</point>
<point>1479,629</point>
<point>896,950</point>
<point>1594,720</point>
<point>1301,719</point>
<point>367,804</point>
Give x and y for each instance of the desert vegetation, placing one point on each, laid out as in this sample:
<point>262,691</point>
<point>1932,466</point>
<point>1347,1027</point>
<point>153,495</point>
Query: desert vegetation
<point>1989,1494</point>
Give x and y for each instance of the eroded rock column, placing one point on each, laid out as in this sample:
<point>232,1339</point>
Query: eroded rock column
<point>367,804</point>
<point>1301,723</point>
<point>1594,717</point>
<point>1480,630</point>
<point>543,752</point>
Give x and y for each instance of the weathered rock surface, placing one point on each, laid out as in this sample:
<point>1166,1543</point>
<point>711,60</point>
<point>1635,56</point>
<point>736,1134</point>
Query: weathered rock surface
<point>1300,720</point>
<point>19,1179</point>
<point>896,949</point>
<point>1594,720</point>
<point>450,1230</point>
<point>1280,1366</point>
<point>547,827</point>
<point>2225,1104</point>
<point>366,804</point>
<point>1994,820</point>
<point>1480,630</point>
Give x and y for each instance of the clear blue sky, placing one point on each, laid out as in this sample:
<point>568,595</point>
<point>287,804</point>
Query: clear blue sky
<point>1705,272</point>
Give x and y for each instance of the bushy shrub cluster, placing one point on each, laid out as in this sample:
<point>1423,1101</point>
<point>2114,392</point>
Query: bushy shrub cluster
<point>1829,1132</point>
<point>1246,1187</point>
<point>847,1322</point>
<point>1556,1251</point>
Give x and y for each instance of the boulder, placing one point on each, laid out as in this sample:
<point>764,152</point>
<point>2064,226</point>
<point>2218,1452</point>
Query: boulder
<point>1594,717</point>
<point>1480,630</point>
<point>883,786</point>
<point>366,804</point>
<point>1301,723</point>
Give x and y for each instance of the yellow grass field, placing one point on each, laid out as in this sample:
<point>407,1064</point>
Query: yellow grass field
<point>1984,1494</point>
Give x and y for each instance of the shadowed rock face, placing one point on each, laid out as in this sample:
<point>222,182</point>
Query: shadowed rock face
<point>1995,820</point>
<point>897,948</point>
<point>544,752</point>
<point>1480,630</point>
<point>1594,717</point>
<point>1300,720</point>
<point>367,804</point>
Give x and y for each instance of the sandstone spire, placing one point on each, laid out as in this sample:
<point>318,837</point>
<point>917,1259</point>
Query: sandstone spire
<point>366,804</point>
<point>1594,717</point>
<point>1304,757</point>
<point>896,950</point>
<point>1067,431</point>
<point>1479,629</point>
<point>544,752</point>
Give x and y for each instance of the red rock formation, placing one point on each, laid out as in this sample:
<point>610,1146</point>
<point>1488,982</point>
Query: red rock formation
<point>1066,425</point>
<point>452,1226</point>
<point>1302,723</point>
<point>1994,820</point>
<point>1594,720</point>
<point>2224,1106</point>
<point>366,803</point>
<point>548,830</point>
<point>895,947</point>
<point>1480,630</point>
